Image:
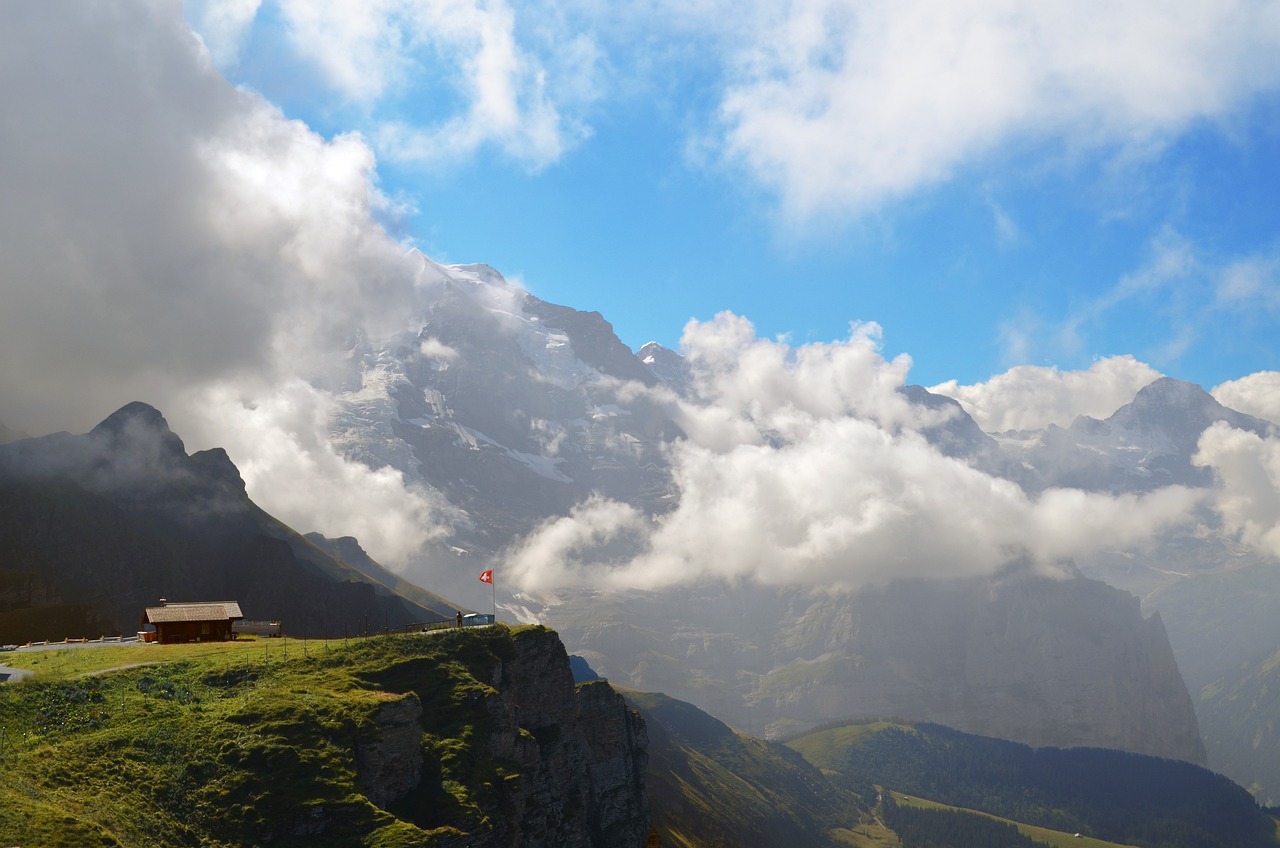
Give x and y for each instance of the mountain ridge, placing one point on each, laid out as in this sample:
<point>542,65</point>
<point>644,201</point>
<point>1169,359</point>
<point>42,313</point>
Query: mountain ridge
<point>116,518</point>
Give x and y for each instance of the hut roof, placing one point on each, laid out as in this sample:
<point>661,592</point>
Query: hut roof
<point>205,611</point>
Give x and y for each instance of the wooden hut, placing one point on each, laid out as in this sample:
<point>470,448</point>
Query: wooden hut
<point>206,621</point>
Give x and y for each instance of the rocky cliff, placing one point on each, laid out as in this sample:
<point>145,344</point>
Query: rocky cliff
<point>1045,662</point>
<point>576,755</point>
<point>581,748</point>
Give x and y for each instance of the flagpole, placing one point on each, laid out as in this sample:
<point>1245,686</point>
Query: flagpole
<point>486,576</point>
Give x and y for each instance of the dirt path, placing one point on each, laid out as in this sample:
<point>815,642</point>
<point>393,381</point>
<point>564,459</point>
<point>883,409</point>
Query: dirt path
<point>7,673</point>
<point>96,672</point>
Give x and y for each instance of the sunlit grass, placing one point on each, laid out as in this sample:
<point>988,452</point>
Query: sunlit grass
<point>61,663</point>
<point>827,748</point>
<point>233,743</point>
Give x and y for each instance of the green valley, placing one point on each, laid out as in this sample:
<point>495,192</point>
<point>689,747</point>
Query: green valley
<point>1110,795</point>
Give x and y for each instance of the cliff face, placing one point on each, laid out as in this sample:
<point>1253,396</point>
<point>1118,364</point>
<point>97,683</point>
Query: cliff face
<point>1046,662</point>
<point>582,751</point>
<point>577,755</point>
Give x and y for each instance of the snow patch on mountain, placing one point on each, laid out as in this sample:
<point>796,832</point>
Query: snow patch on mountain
<point>361,424</point>
<point>668,366</point>
<point>543,466</point>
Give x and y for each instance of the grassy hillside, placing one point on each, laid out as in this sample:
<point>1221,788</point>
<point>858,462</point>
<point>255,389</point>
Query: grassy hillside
<point>1111,795</point>
<point>347,551</point>
<point>712,787</point>
<point>237,744</point>
<point>1038,835</point>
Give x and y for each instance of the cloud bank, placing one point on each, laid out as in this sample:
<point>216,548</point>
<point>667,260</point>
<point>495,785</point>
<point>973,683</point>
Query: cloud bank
<point>806,465</point>
<point>1256,394</point>
<point>1247,468</point>
<point>165,237</point>
<point>1028,397</point>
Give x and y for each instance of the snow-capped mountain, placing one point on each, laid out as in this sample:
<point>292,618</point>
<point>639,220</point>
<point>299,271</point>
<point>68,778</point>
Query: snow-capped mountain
<point>668,366</point>
<point>508,412</point>
<point>1145,444</point>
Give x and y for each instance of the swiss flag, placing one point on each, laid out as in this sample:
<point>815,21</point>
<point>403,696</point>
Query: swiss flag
<point>486,576</point>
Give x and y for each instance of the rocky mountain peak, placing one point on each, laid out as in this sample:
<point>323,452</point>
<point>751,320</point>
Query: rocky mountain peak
<point>136,424</point>
<point>593,340</point>
<point>215,465</point>
<point>1178,412</point>
<point>1166,398</point>
<point>957,434</point>
<point>667,365</point>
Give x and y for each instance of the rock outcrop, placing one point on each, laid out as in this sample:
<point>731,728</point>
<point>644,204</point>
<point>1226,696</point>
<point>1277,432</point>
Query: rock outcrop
<point>582,751</point>
<point>576,753</point>
<point>390,766</point>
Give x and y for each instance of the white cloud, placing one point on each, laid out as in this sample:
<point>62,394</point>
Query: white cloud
<point>1250,283</point>
<point>842,105</point>
<point>805,466</point>
<point>1172,260</point>
<point>223,25</point>
<point>1256,394</point>
<point>362,49</point>
<point>164,236</point>
<point>1247,468</point>
<point>501,90</point>
<point>280,441</point>
<point>847,506</point>
<point>837,106</point>
<point>433,348</point>
<point>755,390</point>
<point>1191,295</point>
<point>1006,229</point>
<point>1030,396</point>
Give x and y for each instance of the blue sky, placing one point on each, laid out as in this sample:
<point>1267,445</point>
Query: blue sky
<point>990,183</point>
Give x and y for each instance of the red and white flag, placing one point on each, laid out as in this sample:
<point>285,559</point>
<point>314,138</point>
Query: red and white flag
<point>487,577</point>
